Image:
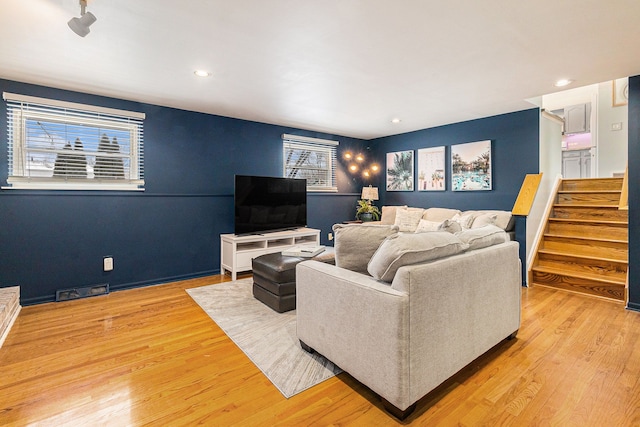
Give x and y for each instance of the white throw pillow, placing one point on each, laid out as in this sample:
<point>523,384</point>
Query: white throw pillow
<point>407,219</point>
<point>464,219</point>
<point>406,249</point>
<point>388,216</point>
<point>503,218</point>
<point>425,226</point>
<point>482,237</point>
<point>439,214</point>
<point>484,219</point>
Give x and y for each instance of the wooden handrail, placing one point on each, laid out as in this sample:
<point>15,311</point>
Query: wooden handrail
<point>527,194</point>
<point>624,195</point>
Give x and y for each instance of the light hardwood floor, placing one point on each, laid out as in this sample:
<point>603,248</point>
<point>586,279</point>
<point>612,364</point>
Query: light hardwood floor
<point>151,356</point>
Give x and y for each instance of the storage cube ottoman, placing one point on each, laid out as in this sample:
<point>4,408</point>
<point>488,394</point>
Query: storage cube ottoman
<point>274,278</point>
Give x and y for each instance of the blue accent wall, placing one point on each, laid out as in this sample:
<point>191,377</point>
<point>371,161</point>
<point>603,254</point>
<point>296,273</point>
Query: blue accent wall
<point>634,192</point>
<point>56,239</point>
<point>514,153</point>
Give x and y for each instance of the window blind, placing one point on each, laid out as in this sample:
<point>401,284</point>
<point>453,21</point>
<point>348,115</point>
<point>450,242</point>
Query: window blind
<point>61,145</point>
<point>312,159</point>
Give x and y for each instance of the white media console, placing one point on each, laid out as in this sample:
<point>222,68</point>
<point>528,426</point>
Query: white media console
<point>236,252</point>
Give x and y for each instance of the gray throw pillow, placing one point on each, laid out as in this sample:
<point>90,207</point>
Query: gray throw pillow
<point>355,244</point>
<point>406,249</point>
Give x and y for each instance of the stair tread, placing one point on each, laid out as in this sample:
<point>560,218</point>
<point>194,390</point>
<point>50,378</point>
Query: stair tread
<point>589,221</point>
<point>609,298</point>
<point>582,256</point>
<point>589,191</point>
<point>596,239</point>
<point>580,275</point>
<point>577,205</point>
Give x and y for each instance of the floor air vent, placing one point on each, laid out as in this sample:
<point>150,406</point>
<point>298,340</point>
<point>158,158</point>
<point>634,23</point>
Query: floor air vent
<point>84,292</point>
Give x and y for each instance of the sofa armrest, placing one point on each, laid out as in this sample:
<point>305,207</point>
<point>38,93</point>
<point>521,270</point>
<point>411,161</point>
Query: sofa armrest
<point>357,322</point>
<point>459,307</point>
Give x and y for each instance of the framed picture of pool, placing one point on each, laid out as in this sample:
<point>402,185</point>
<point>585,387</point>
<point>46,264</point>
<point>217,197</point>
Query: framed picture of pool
<point>400,171</point>
<point>471,166</point>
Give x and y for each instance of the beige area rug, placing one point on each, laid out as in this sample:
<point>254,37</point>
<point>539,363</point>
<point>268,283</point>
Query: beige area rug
<point>267,337</point>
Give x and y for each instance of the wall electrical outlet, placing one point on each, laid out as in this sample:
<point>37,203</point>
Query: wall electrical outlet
<point>330,236</point>
<point>107,263</point>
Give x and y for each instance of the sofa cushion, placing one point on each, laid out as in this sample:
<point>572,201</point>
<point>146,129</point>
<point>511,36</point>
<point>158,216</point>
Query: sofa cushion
<point>389,214</point>
<point>425,226</point>
<point>407,219</point>
<point>439,214</point>
<point>406,249</point>
<point>482,237</point>
<point>355,244</point>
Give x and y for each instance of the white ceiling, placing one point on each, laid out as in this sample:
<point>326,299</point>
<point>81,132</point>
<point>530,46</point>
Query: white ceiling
<point>339,66</point>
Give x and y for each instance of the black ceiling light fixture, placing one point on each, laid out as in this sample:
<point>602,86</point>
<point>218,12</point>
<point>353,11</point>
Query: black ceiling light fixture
<point>81,25</point>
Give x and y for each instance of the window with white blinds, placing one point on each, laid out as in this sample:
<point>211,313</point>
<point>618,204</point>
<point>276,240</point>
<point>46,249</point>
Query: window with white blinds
<point>59,145</point>
<point>311,158</point>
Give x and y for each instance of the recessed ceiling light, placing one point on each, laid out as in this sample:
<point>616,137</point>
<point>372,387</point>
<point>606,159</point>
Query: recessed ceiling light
<point>396,120</point>
<point>563,82</point>
<point>202,73</point>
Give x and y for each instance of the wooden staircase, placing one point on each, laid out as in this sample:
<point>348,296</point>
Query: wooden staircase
<point>585,243</point>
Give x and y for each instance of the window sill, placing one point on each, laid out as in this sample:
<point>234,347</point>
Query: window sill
<point>17,183</point>
<point>322,190</point>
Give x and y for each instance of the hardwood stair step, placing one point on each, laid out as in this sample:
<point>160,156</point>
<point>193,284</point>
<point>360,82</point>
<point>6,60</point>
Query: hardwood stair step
<point>595,212</point>
<point>595,239</point>
<point>559,279</point>
<point>601,248</point>
<point>591,221</point>
<point>588,267</point>
<point>611,198</point>
<point>592,184</point>
<point>614,230</point>
<point>579,275</point>
<point>588,257</point>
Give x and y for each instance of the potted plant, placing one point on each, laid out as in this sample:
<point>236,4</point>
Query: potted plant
<point>366,211</point>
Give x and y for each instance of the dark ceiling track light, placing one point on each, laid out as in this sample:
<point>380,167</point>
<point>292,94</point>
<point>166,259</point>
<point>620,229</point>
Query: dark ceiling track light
<point>81,25</point>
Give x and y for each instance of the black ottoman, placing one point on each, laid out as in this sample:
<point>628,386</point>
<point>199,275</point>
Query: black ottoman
<point>274,278</point>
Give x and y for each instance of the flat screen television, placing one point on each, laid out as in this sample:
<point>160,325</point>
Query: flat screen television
<point>265,203</point>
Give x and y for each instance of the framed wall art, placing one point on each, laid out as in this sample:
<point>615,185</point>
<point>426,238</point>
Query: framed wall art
<point>471,166</point>
<point>431,172</point>
<point>620,92</point>
<point>400,171</point>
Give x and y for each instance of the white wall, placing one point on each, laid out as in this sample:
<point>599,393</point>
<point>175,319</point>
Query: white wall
<point>612,144</point>
<point>565,98</point>
<point>550,167</point>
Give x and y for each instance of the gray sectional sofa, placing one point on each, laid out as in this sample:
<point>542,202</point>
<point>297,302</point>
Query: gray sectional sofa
<point>402,312</point>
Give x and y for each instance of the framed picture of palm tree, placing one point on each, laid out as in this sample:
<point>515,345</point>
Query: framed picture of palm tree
<point>431,172</point>
<point>471,166</point>
<point>400,171</point>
